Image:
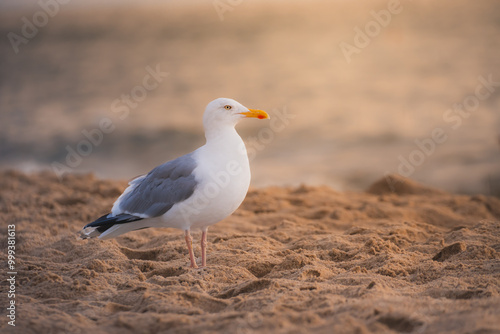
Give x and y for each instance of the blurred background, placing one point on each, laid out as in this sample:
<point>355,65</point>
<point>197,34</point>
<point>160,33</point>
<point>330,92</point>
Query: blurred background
<point>352,91</point>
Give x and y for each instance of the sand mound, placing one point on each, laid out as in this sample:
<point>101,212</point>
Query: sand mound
<point>394,183</point>
<point>289,260</point>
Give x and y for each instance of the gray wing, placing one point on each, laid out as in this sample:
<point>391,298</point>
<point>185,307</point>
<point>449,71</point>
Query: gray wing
<point>154,194</point>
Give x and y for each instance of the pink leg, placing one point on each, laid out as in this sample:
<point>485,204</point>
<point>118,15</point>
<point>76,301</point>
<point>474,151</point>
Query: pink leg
<point>189,243</point>
<point>204,247</point>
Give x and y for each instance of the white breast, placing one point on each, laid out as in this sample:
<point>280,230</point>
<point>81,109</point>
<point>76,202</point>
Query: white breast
<point>223,176</point>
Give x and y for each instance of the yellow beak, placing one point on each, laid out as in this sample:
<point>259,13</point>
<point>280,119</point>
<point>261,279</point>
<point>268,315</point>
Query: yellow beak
<point>255,113</point>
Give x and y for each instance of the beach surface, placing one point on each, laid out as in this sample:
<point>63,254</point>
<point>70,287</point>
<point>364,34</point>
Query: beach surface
<point>400,257</point>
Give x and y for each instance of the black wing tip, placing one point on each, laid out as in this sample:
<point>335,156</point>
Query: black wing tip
<point>98,221</point>
<point>106,221</point>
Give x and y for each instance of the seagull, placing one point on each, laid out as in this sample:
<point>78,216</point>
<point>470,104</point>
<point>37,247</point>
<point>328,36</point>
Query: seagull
<point>193,191</point>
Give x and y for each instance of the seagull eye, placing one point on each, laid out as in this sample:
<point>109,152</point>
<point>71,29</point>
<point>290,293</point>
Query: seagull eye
<point>227,107</point>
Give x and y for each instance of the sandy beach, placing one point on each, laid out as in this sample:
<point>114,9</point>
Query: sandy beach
<point>400,257</point>
<point>374,204</point>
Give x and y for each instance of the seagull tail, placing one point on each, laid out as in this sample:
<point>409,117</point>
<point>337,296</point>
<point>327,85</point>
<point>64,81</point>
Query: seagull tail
<point>104,223</point>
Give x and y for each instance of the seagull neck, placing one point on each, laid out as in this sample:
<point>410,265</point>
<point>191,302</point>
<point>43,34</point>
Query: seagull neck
<point>224,134</point>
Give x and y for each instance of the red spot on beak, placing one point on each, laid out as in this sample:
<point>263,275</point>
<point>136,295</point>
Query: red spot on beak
<point>260,117</point>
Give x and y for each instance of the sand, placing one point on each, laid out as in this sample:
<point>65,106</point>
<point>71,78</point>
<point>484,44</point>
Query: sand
<point>400,257</point>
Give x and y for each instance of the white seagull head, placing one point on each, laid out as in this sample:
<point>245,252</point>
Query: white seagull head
<point>224,112</point>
